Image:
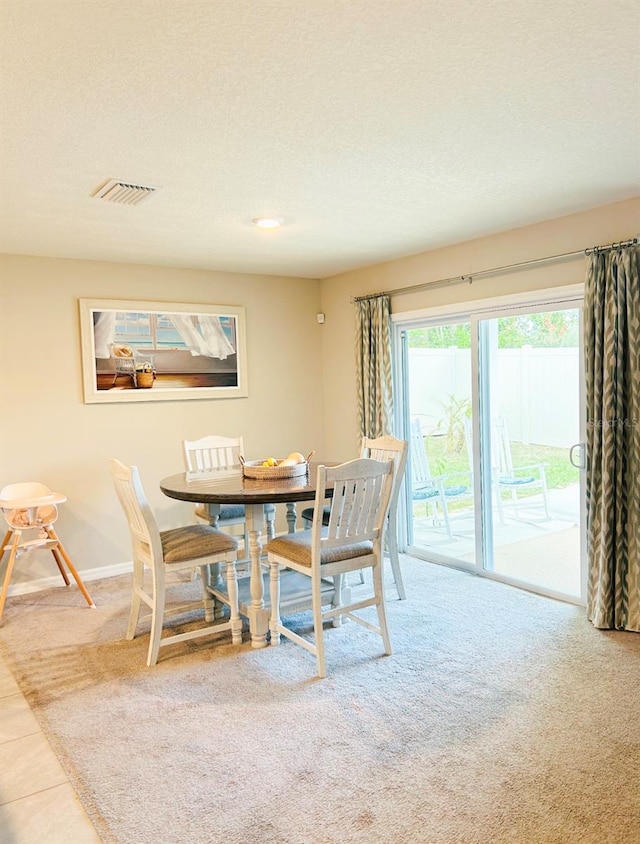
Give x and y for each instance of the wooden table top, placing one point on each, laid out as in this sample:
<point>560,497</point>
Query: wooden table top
<point>231,487</point>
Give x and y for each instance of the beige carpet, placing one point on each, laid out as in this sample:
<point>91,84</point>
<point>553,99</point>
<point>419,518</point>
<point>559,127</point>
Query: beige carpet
<point>500,717</point>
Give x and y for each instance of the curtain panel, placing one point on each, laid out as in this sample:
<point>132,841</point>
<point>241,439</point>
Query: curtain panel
<point>612,369</point>
<point>373,367</point>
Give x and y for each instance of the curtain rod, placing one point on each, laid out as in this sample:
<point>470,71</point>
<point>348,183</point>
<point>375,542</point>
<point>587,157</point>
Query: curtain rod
<point>468,279</point>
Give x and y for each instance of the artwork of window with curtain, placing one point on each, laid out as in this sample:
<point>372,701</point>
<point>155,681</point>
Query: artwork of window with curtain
<point>132,351</point>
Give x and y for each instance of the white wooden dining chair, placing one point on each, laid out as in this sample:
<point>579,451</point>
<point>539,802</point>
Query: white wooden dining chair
<point>352,540</point>
<point>382,448</point>
<point>30,508</point>
<point>163,552</point>
<point>206,457</point>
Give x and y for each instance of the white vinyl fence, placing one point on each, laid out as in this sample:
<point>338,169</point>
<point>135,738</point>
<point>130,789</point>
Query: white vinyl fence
<point>536,390</point>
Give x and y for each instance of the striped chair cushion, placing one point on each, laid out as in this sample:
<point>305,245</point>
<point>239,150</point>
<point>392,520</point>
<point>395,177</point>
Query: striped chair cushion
<point>193,542</point>
<point>297,548</point>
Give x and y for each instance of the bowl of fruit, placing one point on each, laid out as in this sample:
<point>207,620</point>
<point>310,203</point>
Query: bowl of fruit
<point>293,466</point>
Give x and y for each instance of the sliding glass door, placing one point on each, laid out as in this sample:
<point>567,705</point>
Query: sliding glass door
<point>438,367</point>
<point>492,408</point>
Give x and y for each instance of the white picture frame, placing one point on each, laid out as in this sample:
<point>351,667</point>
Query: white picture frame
<point>135,351</point>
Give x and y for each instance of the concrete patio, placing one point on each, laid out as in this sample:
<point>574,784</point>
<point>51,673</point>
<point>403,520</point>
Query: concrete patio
<point>528,546</point>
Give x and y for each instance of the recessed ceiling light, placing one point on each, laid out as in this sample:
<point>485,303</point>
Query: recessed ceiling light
<point>268,222</point>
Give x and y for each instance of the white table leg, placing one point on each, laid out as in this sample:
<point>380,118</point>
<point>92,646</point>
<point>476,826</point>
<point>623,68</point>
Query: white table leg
<point>258,615</point>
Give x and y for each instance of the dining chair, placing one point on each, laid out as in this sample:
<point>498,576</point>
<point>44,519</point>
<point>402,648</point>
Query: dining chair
<point>206,457</point>
<point>382,448</point>
<point>30,507</point>
<point>162,553</point>
<point>352,540</point>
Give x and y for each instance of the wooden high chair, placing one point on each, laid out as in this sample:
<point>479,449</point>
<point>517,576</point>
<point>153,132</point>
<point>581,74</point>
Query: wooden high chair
<point>31,506</point>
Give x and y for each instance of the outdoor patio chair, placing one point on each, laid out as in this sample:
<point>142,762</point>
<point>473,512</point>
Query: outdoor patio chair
<point>435,490</point>
<point>506,476</point>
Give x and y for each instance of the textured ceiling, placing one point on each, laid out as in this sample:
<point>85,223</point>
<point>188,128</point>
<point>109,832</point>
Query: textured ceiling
<point>375,128</point>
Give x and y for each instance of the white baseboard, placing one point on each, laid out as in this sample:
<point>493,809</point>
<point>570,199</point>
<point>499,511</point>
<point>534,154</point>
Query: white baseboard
<point>86,575</point>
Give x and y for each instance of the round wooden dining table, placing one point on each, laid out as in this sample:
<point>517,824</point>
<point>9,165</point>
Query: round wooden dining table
<point>231,487</point>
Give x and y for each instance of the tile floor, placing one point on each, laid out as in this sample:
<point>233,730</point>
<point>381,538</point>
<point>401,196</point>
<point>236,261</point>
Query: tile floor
<point>37,802</point>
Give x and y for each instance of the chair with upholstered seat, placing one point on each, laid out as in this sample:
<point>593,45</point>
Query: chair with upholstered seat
<point>162,553</point>
<point>382,448</point>
<point>351,541</point>
<point>208,456</point>
<point>30,507</point>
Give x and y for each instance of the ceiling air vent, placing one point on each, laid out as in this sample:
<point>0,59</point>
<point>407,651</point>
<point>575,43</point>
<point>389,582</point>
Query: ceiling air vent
<point>124,193</point>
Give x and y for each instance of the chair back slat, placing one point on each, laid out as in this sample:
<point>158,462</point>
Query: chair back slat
<point>351,515</point>
<point>361,496</point>
<point>212,454</point>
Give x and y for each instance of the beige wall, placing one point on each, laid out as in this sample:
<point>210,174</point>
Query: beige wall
<point>49,434</point>
<point>598,226</point>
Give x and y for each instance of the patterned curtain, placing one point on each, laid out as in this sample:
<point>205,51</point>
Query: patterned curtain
<point>612,366</point>
<point>373,366</point>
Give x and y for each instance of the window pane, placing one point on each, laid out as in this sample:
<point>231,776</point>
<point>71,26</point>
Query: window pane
<point>443,518</point>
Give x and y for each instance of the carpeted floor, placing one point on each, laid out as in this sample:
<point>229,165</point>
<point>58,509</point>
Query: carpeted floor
<point>500,718</point>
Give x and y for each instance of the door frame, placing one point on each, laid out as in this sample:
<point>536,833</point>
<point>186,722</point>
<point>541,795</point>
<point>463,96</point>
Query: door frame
<point>473,311</point>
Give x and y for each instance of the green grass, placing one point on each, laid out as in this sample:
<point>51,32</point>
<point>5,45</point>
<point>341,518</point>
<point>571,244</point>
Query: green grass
<point>442,461</point>
<point>560,473</point>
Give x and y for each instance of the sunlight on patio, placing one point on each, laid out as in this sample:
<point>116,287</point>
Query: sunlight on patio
<point>529,547</point>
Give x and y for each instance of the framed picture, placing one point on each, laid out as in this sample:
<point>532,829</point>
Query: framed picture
<point>161,351</point>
